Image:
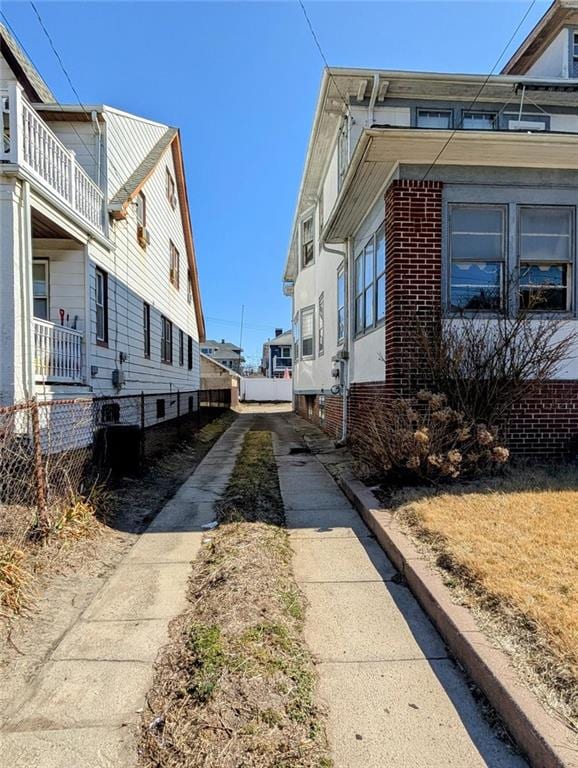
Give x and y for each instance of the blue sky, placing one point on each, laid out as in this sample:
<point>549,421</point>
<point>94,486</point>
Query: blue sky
<point>241,82</point>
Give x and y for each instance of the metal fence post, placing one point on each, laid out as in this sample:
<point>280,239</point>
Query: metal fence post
<point>178,414</point>
<point>42,523</point>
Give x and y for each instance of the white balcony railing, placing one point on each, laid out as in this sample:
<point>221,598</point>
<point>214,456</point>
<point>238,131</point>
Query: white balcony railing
<point>29,142</point>
<point>57,353</point>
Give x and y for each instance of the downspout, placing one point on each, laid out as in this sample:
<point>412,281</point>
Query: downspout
<point>344,362</point>
<point>26,295</point>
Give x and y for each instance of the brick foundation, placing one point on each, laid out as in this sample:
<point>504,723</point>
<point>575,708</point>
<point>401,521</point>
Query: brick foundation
<point>308,406</point>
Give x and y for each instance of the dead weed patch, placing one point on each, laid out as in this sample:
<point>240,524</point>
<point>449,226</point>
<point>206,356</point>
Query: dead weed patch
<point>235,686</point>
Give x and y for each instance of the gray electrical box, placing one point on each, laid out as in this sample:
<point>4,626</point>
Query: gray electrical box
<point>118,378</point>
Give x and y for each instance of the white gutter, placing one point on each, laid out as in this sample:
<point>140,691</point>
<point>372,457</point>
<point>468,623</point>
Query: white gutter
<point>372,100</point>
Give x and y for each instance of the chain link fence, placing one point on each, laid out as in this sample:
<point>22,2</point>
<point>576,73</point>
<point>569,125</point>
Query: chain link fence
<point>53,451</point>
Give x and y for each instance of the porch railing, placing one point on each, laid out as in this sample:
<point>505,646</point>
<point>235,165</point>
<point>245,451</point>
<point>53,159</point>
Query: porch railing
<point>29,141</point>
<point>57,353</point>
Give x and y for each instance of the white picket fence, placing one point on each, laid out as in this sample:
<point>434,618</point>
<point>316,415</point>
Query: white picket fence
<point>266,390</point>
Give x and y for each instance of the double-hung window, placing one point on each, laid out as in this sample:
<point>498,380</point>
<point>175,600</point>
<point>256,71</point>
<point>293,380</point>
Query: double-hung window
<point>479,121</point>
<point>370,283</point>
<point>171,189</point>
<point>296,340</point>
<point>340,305</point>
<point>307,247</point>
<point>434,118</point>
<point>189,353</point>
<point>308,333</point>
<point>101,306</point>
<point>40,283</point>
<point>321,325</point>
<point>477,254</point>
<point>175,266</point>
<point>166,340</point>
<point>545,248</point>
<point>181,348</point>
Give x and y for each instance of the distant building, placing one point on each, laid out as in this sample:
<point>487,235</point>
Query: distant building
<point>278,355</point>
<point>214,375</point>
<point>224,352</point>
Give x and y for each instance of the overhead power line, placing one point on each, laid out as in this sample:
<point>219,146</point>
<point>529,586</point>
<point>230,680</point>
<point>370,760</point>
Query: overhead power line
<point>479,93</point>
<point>320,49</point>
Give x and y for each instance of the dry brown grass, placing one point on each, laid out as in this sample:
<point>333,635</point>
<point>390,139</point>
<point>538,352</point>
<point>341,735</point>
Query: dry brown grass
<point>235,686</point>
<point>511,546</point>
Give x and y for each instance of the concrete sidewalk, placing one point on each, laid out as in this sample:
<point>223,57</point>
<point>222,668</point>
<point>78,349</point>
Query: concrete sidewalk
<point>82,710</point>
<point>394,698</point>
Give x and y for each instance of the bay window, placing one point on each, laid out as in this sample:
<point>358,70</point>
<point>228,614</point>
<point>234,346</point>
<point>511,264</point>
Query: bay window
<point>477,257</point>
<point>545,248</point>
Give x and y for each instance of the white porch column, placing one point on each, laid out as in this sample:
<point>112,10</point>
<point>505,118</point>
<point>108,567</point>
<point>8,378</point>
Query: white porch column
<point>14,379</point>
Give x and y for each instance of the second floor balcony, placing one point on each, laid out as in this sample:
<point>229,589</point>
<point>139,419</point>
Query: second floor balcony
<point>29,143</point>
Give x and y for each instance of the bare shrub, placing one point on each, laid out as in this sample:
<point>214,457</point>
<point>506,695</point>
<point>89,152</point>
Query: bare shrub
<point>486,365</point>
<point>423,438</point>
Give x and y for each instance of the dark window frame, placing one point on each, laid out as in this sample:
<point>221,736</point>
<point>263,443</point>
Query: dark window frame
<point>166,341</point>
<point>181,348</point>
<point>174,266</point>
<point>147,329</point>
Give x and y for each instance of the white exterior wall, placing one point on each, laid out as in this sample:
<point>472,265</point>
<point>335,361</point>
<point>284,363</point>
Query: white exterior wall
<point>124,132</point>
<point>554,61</point>
<point>83,139</point>
<point>137,275</point>
<point>564,123</point>
<point>366,359</point>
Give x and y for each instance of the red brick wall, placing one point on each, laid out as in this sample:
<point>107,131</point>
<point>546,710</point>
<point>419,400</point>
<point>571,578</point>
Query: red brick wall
<point>545,426</point>
<point>413,229</point>
<point>332,423</point>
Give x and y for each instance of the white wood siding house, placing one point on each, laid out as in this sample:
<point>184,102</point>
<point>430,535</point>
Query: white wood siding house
<point>99,292</point>
<point>392,156</point>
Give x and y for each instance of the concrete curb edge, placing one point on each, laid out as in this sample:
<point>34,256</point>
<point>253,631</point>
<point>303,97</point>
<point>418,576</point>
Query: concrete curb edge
<point>545,741</point>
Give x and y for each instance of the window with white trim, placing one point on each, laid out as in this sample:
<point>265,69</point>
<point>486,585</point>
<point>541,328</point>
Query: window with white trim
<point>477,257</point>
<point>308,333</point>
<point>101,306</point>
<point>296,345</point>
<point>340,304</point>
<point>370,283</point>
<point>307,246</point>
<point>175,266</point>
<point>321,325</point>
<point>545,251</point>
<point>40,288</point>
